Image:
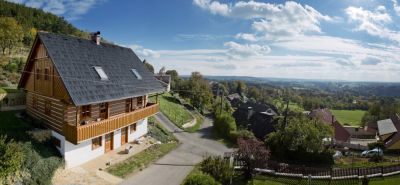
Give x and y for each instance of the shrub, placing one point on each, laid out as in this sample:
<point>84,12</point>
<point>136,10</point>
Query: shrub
<point>218,168</point>
<point>38,170</point>
<point>242,133</point>
<point>225,124</point>
<point>200,178</point>
<point>40,135</point>
<point>11,157</point>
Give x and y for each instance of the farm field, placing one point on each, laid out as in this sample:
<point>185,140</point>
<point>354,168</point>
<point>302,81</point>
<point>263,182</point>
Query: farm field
<point>349,117</point>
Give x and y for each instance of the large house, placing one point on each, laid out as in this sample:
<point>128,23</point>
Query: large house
<point>257,117</point>
<point>92,95</point>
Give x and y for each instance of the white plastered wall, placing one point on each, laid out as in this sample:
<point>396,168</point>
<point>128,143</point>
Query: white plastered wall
<point>76,155</point>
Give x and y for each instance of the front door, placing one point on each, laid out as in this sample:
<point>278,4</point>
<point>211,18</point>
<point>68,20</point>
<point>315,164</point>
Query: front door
<point>124,135</point>
<point>109,142</point>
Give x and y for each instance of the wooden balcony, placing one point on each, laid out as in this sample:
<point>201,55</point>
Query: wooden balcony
<point>76,134</point>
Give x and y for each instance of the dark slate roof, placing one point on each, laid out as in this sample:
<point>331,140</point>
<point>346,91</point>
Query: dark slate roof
<point>74,59</point>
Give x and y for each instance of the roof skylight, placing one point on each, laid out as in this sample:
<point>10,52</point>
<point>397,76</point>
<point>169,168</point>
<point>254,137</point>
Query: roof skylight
<point>136,73</point>
<point>101,73</point>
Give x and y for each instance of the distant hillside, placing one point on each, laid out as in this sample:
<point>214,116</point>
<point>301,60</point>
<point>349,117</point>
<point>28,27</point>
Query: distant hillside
<point>35,18</point>
<point>18,27</point>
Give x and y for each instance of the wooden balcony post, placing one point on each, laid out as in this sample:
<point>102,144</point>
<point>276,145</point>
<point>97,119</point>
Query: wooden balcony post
<point>77,116</point>
<point>157,98</point>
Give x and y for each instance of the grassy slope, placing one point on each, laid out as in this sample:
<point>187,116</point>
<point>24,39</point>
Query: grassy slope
<point>175,112</point>
<point>351,117</point>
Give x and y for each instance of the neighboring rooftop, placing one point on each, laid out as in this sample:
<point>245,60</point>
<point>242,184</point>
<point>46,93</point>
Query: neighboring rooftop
<point>325,115</point>
<point>386,127</point>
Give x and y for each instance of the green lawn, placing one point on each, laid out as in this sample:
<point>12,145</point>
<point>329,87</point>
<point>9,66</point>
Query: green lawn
<point>10,121</point>
<point>292,106</point>
<point>141,160</point>
<point>268,180</point>
<point>175,112</point>
<point>8,90</point>
<point>350,117</point>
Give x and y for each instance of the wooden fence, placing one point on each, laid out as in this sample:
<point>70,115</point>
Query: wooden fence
<point>325,173</point>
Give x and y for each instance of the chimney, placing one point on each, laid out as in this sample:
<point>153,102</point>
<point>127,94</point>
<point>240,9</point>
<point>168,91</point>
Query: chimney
<point>96,37</point>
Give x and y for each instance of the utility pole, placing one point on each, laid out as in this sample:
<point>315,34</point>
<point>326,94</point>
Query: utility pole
<point>221,95</point>
<point>286,111</point>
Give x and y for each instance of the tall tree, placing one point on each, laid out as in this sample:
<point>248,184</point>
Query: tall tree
<point>11,34</point>
<point>198,91</point>
<point>162,71</point>
<point>175,79</point>
<point>148,66</point>
<point>240,87</point>
<point>301,135</point>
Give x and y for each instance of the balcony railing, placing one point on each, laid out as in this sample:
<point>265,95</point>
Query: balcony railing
<point>76,134</point>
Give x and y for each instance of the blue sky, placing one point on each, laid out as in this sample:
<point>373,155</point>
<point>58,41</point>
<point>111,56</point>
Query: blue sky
<point>354,40</point>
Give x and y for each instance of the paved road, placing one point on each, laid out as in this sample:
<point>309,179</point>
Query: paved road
<point>176,165</point>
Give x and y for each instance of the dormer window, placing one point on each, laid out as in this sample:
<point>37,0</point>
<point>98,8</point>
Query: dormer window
<point>101,73</point>
<point>136,74</point>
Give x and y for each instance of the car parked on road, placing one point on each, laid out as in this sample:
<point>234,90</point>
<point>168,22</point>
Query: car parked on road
<point>373,152</point>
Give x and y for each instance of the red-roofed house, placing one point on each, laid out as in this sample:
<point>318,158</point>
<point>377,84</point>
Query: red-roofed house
<point>340,133</point>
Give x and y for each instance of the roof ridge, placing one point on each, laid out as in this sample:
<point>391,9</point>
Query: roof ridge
<point>81,38</point>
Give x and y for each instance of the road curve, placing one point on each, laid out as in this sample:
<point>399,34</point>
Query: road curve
<point>176,165</point>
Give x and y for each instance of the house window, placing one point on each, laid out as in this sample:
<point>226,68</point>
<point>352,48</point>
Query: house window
<point>101,73</point>
<point>47,107</point>
<point>85,111</point>
<point>136,74</point>
<point>132,128</point>
<point>37,74</point>
<point>56,142</point>
<point>96,142</point>
<point>46,74</point>
<point>103,110</point>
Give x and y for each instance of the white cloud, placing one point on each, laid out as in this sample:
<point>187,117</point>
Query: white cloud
<point>371,61</point>
<point>373,22</point>
<point>246,36</point>
<point>143,52</point>
<point>236,50</point>
<point>270,21</point>
<point>70,9</point>
<point>343,62</point>
<point>396,7</point>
